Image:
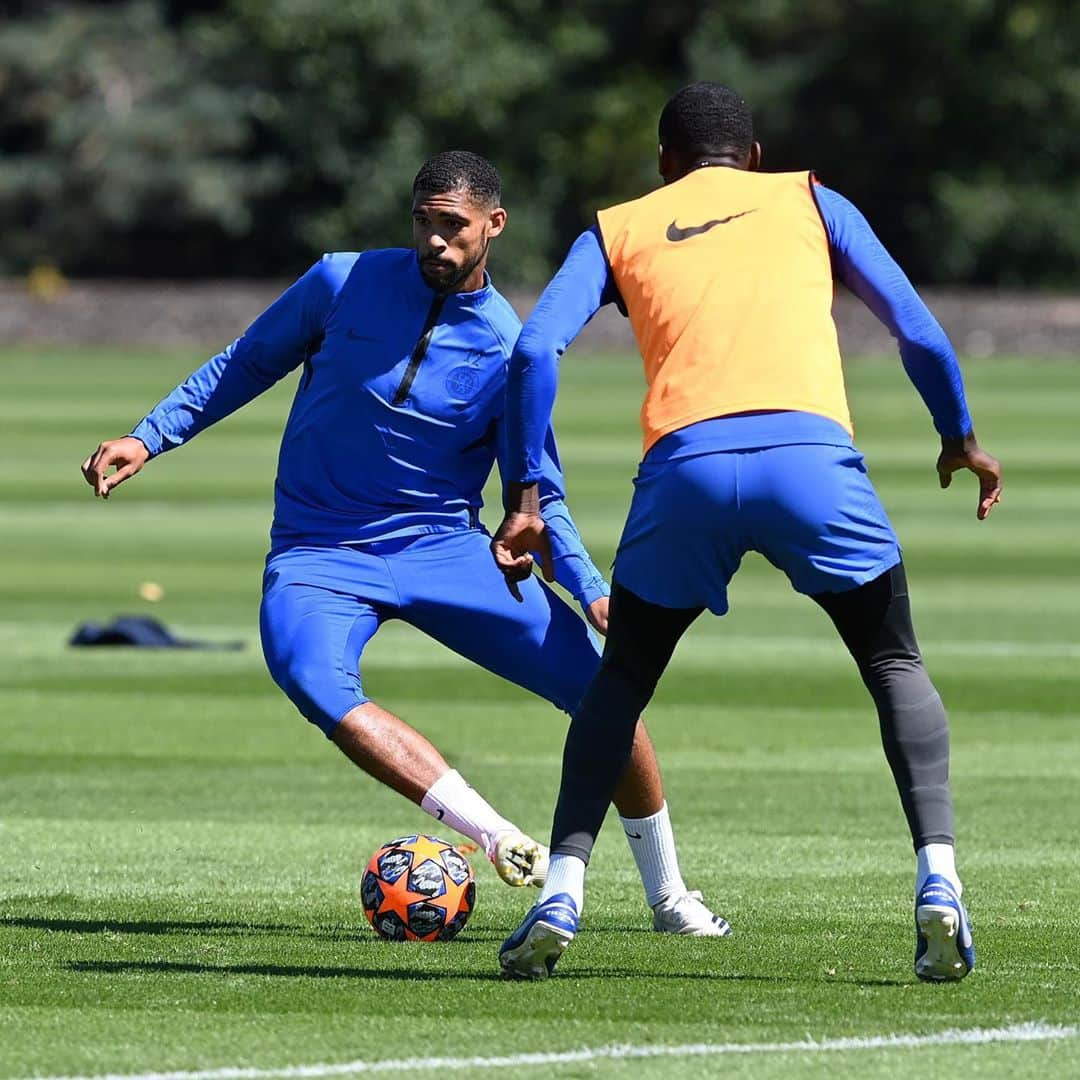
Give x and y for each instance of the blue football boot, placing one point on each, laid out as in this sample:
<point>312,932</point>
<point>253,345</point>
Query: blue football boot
<point>534,948</point>
<point>944,949</point>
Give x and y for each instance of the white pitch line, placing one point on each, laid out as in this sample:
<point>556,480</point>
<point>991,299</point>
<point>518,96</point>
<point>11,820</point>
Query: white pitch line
<point>1018,1033</point>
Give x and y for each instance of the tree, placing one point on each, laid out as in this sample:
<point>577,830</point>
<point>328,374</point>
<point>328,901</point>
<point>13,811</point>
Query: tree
<point>118,154</point>
<point>247,136</point>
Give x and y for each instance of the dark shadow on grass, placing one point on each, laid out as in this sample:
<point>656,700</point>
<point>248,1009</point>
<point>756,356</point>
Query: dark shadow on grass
<point>292,971</point>
<point>731,976</point>
<point>150,926</point>
<point>303,971</point>
<point>222,928</point>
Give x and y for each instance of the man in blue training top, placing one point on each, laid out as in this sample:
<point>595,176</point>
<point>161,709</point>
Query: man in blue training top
<point>726,274</point>
<point>397,420</point>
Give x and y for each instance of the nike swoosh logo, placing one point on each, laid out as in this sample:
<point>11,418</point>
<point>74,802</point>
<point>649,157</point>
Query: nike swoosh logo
<point>675,234</point>
<point>632,835</point>
<point>441,812</point>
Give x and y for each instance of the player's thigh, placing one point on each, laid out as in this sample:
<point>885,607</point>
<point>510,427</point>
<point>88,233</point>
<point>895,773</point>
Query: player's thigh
<point>816,516</point>
<point>457,596</point>
<point>312,639</point>
<point>683,539</point>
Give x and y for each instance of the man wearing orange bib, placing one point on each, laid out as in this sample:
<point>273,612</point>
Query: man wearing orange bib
<point>726,274</point>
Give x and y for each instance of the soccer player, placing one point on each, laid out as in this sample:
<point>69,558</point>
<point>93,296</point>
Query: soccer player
<point>396,422</point>
<point>727,274</point>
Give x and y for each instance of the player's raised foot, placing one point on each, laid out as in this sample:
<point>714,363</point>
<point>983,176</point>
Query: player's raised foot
<point>687,914</point>
<point>534,948</point>
<point>944,949</point>
<point>518,859</point>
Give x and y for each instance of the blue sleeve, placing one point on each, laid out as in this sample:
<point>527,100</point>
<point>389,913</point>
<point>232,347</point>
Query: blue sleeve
<point>278,341</point>
<point>861,262</point>
<point>581,287</point>
<point>574,570</point>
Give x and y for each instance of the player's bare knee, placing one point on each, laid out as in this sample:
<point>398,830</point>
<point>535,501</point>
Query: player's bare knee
<point>362,725</point>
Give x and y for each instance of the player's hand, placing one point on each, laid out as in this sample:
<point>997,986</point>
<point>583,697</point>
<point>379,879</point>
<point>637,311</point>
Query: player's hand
<point>597,613</point>
<point>518,537</point>
<point>965,453</point>
<point>128,455</point>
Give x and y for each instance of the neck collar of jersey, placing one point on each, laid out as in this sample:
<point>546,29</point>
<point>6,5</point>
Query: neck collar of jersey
<point>460,299</point>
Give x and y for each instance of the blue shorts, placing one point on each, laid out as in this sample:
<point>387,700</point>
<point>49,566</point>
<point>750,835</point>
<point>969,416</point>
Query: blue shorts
<point>809,509</point>
<point>321,606</point>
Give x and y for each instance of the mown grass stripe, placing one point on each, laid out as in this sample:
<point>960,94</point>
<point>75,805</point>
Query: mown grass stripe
<point>1017,1033</point>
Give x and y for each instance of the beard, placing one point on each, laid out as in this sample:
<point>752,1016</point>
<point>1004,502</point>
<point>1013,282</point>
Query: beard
<point>451,284</point>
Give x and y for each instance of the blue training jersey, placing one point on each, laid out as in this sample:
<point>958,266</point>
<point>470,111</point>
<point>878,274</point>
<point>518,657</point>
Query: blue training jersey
<point>585,283</point>
<point>398,413</point>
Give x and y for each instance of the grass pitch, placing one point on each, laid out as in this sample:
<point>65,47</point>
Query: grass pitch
<point>180,854</point>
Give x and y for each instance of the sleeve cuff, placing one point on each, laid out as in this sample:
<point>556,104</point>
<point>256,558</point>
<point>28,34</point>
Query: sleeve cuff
<point>149,436</point>
<point>577,575</point>
<point>594,591</point>
<point>953,429</point>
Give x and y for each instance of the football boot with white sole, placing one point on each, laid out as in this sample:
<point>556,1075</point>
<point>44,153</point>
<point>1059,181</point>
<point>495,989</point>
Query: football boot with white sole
<point>534,948</point>
<point>944,949</point>
<point>518,859</point>
<point>688,915</point>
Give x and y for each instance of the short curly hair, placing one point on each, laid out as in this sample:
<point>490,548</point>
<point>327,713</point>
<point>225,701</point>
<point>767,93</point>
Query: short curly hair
<point>460,170</point>
<point>706,118</point>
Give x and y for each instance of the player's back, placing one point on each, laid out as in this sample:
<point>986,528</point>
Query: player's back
<point>727,279</point>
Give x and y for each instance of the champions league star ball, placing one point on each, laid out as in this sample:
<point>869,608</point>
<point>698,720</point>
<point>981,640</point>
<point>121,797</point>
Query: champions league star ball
<point>418,888</point>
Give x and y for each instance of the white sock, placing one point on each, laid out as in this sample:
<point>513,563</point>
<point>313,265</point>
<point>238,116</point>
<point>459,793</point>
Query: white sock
<point>453,802</point>
<point>937,859</point>
<point>653,844</point>
<point>566,874</point>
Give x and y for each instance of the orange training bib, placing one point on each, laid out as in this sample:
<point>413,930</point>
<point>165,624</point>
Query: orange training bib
<point>727,279</point>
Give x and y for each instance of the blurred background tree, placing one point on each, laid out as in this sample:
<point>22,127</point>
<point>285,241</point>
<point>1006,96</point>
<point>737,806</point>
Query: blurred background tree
<point>244,137</point>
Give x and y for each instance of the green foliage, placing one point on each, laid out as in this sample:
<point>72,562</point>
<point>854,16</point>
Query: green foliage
<point>247,136</point>
<point>115,145</point>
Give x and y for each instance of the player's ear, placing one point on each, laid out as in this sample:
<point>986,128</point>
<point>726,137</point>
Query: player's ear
<point>496,221</point>
<point>665,166</point>
<point>754,162</point>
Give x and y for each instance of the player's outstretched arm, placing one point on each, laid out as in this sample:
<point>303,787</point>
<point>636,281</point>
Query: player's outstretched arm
<point>275,344</point>
<point>559,543</point>
<point>580,288</point>
<point>864,265</point>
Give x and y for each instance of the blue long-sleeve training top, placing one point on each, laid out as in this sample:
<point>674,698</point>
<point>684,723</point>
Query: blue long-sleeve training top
<point>585,283</point>
<point>398,413</point>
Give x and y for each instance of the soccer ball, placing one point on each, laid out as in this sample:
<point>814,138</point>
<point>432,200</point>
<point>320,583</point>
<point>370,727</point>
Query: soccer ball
<point>418,888</point>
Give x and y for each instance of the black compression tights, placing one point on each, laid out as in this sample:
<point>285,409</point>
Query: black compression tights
<point>874,621</point>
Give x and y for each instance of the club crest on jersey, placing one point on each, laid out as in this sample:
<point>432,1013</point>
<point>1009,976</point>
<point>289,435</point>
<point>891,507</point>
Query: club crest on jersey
<point>463,382</point>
